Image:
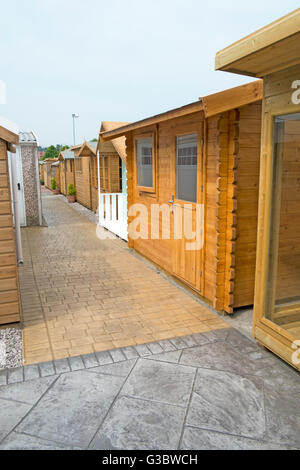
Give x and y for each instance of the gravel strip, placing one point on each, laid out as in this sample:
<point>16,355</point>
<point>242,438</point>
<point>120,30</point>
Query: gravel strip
<point>11,348</point>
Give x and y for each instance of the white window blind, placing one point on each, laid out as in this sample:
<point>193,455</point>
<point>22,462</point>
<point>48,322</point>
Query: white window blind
<point>186,167</point>
<point>144,162</point>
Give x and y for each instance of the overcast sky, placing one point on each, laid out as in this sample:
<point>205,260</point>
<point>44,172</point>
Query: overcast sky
<point>116,60</point>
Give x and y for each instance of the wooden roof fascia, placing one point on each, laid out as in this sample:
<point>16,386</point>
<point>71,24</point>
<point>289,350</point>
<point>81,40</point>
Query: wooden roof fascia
<point>9,136</point>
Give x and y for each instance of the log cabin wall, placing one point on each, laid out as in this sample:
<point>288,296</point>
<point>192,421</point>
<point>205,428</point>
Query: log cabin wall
<point>82,178</point>
<point>62,173</point>
<point>94,182</point>
<point>10,311</point>
<point>230,174</point>
<point>110,169</point>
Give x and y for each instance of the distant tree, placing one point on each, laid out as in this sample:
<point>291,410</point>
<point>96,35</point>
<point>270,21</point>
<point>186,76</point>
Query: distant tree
<point>64,147</point>
<point>94,140</point>
<point>51,152</point>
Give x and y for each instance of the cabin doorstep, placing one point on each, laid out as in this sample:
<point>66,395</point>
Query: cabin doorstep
<point>10,309</point>
<point>273,54</point>
<point>205,155</point>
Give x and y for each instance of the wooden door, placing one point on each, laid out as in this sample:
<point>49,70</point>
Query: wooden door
<point>187,207</point>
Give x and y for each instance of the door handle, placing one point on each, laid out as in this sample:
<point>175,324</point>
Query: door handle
<point>172,202</point>
<point>19,187</point>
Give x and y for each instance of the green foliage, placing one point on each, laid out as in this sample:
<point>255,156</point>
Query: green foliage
<point>71,190</point>
<point>94,140</point>
<point>51,152</point>
<point>53,184</point>
<point>64,147</point>
<point>42,182</point>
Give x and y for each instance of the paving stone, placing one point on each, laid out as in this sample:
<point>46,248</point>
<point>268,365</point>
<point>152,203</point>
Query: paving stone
<point>130,352</point>
<point>16,441</point>
<point>104,358</point>
<point>27,392</point>
<point>121,369</point>
<point>199,439</point>
<point>61,366</point>
<point>277,374</point>
<point>218,355</point>
<point>46,369</point>
<point>189,341</point>
<point>227,402</point>
<point>282,416</point>
<point>200,338</point>
<point>15,375</point>
<point>142,350</point>
<point>117,355</point>
<point>90,360</point>
<point>73,408</point>
<point>76,363</point>
<point>160,381</point>
<point>167,345</point>
<point>11,413</point>
<point>155,348</point>
<point>217,335</point>
<point>31,372</point>
<point>178,343</point>
<point>3,377</point>
<point>172,356</point>
<point>140,425</point>
<point>241,342</point>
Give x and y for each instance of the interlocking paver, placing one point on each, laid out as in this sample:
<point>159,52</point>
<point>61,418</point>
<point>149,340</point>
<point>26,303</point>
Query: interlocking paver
<point>82,295</point>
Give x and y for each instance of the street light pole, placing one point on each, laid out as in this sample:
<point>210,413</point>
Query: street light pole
<point>74,116</point>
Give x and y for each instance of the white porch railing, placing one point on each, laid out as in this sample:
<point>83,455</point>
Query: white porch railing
<point>113,213</point>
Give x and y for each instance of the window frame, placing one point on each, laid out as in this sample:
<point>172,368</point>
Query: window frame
<point>146,189</point>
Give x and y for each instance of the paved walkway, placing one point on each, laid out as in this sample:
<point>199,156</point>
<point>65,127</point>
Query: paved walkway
<point>82,295</point>
<point>213,390</point>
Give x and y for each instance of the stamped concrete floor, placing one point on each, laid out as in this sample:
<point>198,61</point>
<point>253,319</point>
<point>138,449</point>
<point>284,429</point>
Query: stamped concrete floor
<point>81,294</point>
<point>214,390</point>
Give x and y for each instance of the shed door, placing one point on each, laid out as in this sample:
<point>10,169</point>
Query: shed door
<point>188,208</point>
<point>17,160</point>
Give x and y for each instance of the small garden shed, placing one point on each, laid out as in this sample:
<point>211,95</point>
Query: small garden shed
<point>204,154</point>
<point>273,53</point>
<point>67,170</point>
<point>55,173</point>
<point>86,174</point>
<point>49,171</point>
<point>10,310</point>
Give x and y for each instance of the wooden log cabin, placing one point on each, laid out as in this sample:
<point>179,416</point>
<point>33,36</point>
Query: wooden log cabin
<point>204,153</point>
<point>10,310</point>
<point>273,54</point>
<point>49,171</point>
<point>55,172</point>
<point>67,170</point>
<point>86,179</point>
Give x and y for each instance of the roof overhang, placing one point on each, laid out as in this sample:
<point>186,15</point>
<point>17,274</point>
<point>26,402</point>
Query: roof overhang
<point>87,146</point>
<point>9,136</point>
<point>270,49</point>
<point>210,105</point>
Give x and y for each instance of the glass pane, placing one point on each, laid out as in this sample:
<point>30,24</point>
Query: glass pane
<point>186,167</point>
<point>144,162</point>
<point>283,300</point>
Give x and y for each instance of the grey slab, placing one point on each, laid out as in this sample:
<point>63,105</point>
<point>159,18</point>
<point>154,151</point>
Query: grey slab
<point>160,381</point>
<point>27,392</point>
<point>15,375</point>
<point>217,355</point>
<point>282,416</point>
<point>17,441</point>
<point>104,357</point>
<point>46,369</point>
<point>31,372</point>
<point>76,363</point>
<point>172,356</point>
<point>130,352</point>
<point>61,366</point>
<point>200,338</point>
<point>167,345</point>
<point>218,335</point>
<point>228,403</point>
<point>276,373</point>
<point>73,408</point>
<point>155,348</point>
<point>199,439</point>
<point>142,350</point>
<point>3,377</point>
<point>190,341</point>
<point>241,342</point>
<point>117,355</point>
<point>11,413</point>
<point>178,343</point>
<point>137,424</point>
<point>120,369</point>
<point>90,360</point>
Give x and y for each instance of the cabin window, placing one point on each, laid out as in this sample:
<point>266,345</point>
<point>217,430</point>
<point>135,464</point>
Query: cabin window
<point>186,167</point>
<point>78,164</point>
<point>144,163</point>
